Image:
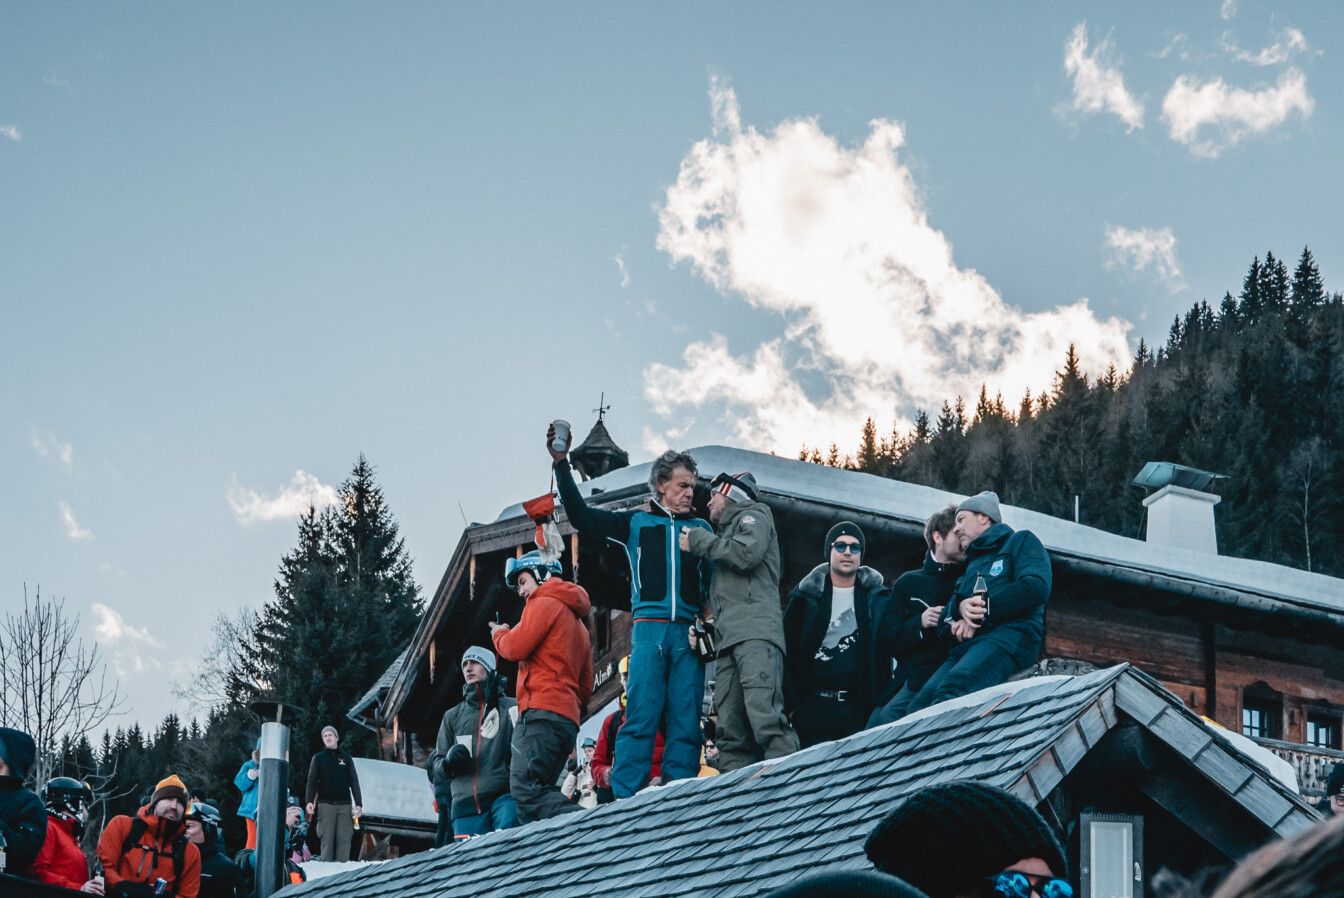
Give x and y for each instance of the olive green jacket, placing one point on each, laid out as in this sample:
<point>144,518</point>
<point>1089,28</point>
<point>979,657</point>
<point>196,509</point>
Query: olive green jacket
<point>744,592</point>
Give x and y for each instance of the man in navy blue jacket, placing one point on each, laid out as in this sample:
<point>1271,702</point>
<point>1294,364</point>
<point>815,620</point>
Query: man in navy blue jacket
<point>667,586</point>
<point>999,637</point>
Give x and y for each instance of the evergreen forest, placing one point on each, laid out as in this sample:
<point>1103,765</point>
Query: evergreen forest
<point>1252,389</point>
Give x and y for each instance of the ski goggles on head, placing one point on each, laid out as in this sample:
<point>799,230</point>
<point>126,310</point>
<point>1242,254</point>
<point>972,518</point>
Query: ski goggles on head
<point>1016,884</point>
<point>540,569</point>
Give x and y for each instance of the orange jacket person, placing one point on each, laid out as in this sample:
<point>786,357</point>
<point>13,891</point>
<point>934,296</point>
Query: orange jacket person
<point>153,845</point>
<point>555,681</point>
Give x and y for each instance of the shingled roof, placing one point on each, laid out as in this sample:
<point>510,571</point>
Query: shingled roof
<point>370,700</point>
<point>753,830</point>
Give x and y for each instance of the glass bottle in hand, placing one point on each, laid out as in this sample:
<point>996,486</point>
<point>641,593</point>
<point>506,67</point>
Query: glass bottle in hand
<point>981,591</point>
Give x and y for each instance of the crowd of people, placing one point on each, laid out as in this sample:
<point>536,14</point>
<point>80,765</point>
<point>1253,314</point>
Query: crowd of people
<point>846,651</point>
<point>174,843</point>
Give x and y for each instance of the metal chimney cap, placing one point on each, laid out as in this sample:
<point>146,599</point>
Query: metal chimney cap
<point>1157,474</point>
<point>276,712</point>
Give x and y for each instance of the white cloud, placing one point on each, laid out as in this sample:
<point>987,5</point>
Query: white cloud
<point>1144,249</point>
<point>73,530</point>
<point>1290,43</point>
<point>129,645</point>
<point>619,259</point>
<point>54,80</point>
<point>48,446</point>
<point>1208,117</point>
<point>1177,45</point>
<point>1098,85</point>
<point>879,318</point>
<point>304,489</point>
<point>1228,9</point>
<point>12,132</point>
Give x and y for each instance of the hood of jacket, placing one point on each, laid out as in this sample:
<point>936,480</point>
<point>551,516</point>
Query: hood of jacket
<point>18,751</point>
<point>814,584</point>
<point>731,510</point>
<point>160,829</point>
<point>990,541</point>
<point>572,596</point>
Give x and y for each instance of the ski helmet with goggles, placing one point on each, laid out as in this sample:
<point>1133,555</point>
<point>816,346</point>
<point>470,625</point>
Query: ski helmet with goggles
<point>533,563</point>
<point>67,797</point>
<point>209,818</point>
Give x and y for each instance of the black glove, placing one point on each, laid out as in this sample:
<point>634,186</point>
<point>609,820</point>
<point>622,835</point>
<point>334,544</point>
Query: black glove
<point>457,761</point>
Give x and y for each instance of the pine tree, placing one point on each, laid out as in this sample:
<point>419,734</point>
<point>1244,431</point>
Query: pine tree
<point>1252,303</point>
<point>1273,285</point>
<point>1229,316</point>
<point>915,463</point>
<point>868,458</point>
<point>948,445</point>
<point>345,604</point>
<point>1307,295</point>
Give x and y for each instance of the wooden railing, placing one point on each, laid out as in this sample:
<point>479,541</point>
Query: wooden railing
<point>1311,763</point>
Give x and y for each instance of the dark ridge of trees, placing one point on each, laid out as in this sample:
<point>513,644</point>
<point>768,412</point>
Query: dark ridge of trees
<point>1253,389</point>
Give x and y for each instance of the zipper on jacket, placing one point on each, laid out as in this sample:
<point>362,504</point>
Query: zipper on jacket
<point>476,754</point>
<point>639,559</point>
<point>672,566</point>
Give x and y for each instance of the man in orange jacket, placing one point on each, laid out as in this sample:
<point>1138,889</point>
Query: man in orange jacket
<point>138,851</point>
<point>555,681</point>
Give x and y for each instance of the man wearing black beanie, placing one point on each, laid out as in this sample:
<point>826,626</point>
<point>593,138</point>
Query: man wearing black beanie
<point>837,660</point>
<point>1004,849</point>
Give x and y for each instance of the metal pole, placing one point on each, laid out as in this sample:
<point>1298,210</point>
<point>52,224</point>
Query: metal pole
<point>272,789</point>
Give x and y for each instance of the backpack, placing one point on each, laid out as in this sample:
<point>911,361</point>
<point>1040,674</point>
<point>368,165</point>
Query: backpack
<point>179,847</point>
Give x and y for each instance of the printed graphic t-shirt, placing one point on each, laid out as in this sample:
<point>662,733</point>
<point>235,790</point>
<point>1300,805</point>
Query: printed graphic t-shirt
<point>836,664</point>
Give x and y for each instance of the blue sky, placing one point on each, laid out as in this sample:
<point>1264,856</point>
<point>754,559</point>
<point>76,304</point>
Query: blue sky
<point>240,246</point>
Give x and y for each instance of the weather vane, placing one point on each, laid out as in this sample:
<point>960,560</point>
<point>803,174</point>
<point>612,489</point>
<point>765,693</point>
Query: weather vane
<point>602,407</point>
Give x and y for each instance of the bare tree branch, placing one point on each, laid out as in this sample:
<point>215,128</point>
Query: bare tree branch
<point>52,685</point>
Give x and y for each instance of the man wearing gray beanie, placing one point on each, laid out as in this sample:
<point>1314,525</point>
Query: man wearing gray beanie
<point>471,756</point>
<point>997,609</point>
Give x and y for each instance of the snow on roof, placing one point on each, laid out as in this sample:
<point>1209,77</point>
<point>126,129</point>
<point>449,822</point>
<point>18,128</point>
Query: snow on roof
<point>394,791</point>
<point>914,504</point>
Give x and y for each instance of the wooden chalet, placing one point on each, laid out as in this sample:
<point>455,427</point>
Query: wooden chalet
<point>1256,647</point>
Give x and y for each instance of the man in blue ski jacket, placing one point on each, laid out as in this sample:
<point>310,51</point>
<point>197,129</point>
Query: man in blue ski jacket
<point>667,586</point>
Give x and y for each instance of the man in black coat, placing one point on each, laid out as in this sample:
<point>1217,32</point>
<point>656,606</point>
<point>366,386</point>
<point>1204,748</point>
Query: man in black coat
<point>918,600</point>
<point>218,873</point>
<point>333,796</point>
<point>1001,633</point>
<point>23,817</point>
<point>837,635</point>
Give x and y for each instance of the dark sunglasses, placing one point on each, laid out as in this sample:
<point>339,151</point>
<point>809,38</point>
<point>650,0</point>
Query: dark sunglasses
<point>1015,884</point>
<point>847,548</point>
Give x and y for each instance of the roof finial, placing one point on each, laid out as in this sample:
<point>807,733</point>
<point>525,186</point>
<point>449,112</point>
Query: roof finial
<point>602,407</point>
